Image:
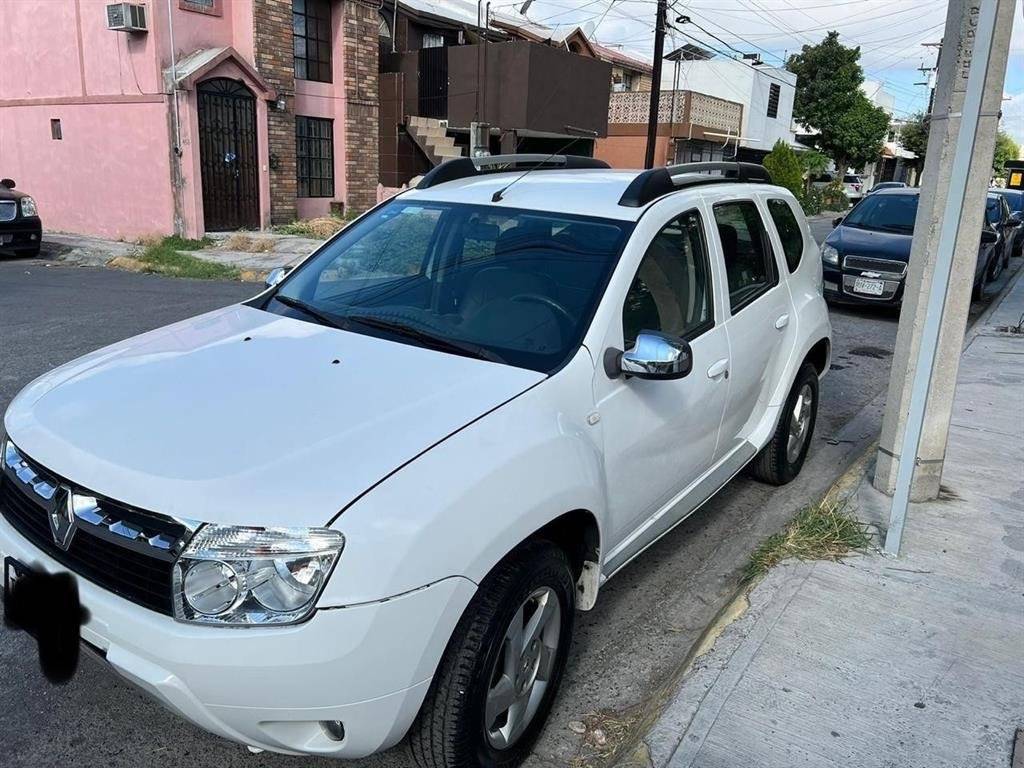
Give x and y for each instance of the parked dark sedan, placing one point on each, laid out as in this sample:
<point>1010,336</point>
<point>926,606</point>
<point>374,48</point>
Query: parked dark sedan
<point>1015,203</point>
<point>20,228</point>
<point>865,258</point>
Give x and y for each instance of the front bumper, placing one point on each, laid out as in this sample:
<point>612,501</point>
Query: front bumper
<point>21,234</point>
<point>838,288</point>
<point>367,666</point>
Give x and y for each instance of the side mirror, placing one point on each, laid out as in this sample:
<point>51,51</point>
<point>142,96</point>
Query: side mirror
<point>9,183</point>
<point>837,221</point>
<point>276,276</point>
<point>1016,219</point>
<point>654,356</point>
<point>989,237</point>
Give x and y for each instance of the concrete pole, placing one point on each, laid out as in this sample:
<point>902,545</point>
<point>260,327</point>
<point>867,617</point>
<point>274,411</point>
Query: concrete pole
<point>944,253</point>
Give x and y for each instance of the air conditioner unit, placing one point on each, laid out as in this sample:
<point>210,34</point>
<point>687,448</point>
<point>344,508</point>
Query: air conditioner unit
<point>126,17</point>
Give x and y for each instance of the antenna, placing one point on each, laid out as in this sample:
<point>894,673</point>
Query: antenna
<point>497,196</point>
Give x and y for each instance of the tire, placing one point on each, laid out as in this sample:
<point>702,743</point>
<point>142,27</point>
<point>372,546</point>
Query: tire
<point>995,269</point>
<point>979,288</point>
<point>776,464</point>
<point>451,729</point>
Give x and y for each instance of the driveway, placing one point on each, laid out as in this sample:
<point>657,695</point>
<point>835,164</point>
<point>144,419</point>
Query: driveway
<point>639,635</point>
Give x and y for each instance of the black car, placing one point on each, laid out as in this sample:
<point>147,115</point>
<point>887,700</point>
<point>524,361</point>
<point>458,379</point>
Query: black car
<point>864,260</point>
<point>1015,204</point>
<point>21,231</point>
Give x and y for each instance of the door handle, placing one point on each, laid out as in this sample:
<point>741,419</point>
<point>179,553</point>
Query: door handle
<point>782,322</point>
<point>719,368</point>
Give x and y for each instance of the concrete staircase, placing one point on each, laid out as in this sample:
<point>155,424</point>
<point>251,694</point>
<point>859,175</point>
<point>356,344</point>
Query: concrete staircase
<point>431,137</point>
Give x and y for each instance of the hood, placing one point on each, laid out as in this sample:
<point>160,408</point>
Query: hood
<point>851,241</point>
<point>244,417</point>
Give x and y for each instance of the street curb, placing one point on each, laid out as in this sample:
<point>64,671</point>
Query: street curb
<point>635,752</point>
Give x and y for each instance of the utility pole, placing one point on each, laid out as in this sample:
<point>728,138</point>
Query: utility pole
<point>659,50</point>
<point>940,278</point>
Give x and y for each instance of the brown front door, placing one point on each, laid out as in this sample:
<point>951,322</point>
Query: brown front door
<point>227,154</point>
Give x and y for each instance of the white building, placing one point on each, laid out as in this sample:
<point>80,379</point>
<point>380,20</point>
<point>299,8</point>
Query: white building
<point>765,92</point>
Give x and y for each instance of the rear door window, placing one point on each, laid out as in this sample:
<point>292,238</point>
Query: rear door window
<point>790,233</point>
<point>749,260</point>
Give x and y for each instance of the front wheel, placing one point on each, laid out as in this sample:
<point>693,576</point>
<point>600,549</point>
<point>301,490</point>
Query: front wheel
<point>499,674</point>
<point>782,459</point>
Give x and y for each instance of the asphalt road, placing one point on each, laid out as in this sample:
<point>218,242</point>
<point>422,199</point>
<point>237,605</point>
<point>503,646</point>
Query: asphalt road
<point>636,638</point>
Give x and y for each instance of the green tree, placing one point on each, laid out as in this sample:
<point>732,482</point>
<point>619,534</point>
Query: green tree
<point>814,163</point>
<point>850,129</point>
<point>1006,149</point>
<point>914,137</point>
<point>784,166</point>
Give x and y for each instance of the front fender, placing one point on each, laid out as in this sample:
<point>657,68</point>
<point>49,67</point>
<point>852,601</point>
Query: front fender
<point>468,501</point>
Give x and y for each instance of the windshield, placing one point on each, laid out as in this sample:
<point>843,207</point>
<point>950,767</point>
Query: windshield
<point>884,213</point>
<point>508,285</point>
<point>851,179</point>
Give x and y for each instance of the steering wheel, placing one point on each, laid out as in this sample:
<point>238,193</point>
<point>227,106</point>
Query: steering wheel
<point>566,320</point>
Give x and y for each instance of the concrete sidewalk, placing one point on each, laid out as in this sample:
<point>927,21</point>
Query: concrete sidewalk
<point>257,251</point>
<point>876,661</point>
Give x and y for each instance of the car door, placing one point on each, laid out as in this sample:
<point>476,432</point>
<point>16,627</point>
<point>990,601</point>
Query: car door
<point>759,318</point>
<point>660,436</point>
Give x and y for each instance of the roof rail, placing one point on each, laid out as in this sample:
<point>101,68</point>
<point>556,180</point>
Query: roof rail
<point>468,167</point>
<point>657,182</point>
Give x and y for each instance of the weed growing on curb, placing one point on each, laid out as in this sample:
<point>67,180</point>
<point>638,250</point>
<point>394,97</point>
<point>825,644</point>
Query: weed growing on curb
<point>822,531</point>
<point>165,258</point>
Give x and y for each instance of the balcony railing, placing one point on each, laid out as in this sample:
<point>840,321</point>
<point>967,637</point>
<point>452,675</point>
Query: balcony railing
<point>679,108</point>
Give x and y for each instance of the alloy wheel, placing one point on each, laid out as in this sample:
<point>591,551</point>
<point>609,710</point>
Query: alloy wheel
<point>523,668</point>
<point>799,423</point>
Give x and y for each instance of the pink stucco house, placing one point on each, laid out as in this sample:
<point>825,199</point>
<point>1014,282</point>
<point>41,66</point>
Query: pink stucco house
<point>204,115</point>
<point>210,118</point>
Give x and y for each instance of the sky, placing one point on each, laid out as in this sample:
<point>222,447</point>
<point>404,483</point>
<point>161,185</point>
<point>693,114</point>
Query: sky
<point>890,34</point>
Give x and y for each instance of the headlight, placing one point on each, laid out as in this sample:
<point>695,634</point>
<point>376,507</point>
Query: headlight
<point>829,255</point>
<point>230,575</point>
<point>28,207</point>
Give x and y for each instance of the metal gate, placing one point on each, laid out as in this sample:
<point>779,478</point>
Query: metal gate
<point>227,154</point>
<point>433,82</point>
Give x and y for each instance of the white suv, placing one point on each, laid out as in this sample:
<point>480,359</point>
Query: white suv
<point>369,501</point>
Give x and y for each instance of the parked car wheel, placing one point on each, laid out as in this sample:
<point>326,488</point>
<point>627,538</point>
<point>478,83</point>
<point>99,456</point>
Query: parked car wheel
<point>500,672</point>
<point>982,284</point>
<point>782,459</point>
<point>996,267</point>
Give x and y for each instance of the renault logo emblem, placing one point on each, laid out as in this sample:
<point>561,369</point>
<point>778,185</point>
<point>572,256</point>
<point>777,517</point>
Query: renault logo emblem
<point>62,517</point>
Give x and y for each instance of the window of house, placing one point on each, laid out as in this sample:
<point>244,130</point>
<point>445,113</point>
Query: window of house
<point>314,155</point>
<point>749,261</point>
<point>433,40</point>
<point>627,81</point>
<point>672,288</point>
<point>790,234</point>
<point>384,30</point>
<point>311,25</point>
<point>209,7</point>
<point>774,92</point>
<point>55,131</point>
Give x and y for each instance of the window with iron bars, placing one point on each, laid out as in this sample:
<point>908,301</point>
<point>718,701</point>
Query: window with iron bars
<point>314,155</point>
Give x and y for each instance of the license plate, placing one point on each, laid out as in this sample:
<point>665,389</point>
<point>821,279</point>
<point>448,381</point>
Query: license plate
<point>46,606</point>
<point>870,287</point>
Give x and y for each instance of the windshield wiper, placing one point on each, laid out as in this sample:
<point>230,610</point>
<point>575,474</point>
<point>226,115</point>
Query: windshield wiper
<point>322,317</point>
<point>426,338</point>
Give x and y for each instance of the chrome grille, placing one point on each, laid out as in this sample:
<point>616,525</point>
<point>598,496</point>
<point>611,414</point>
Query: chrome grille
<point>8,210</point>
<point>885,267</point>
<point>124,550</point>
